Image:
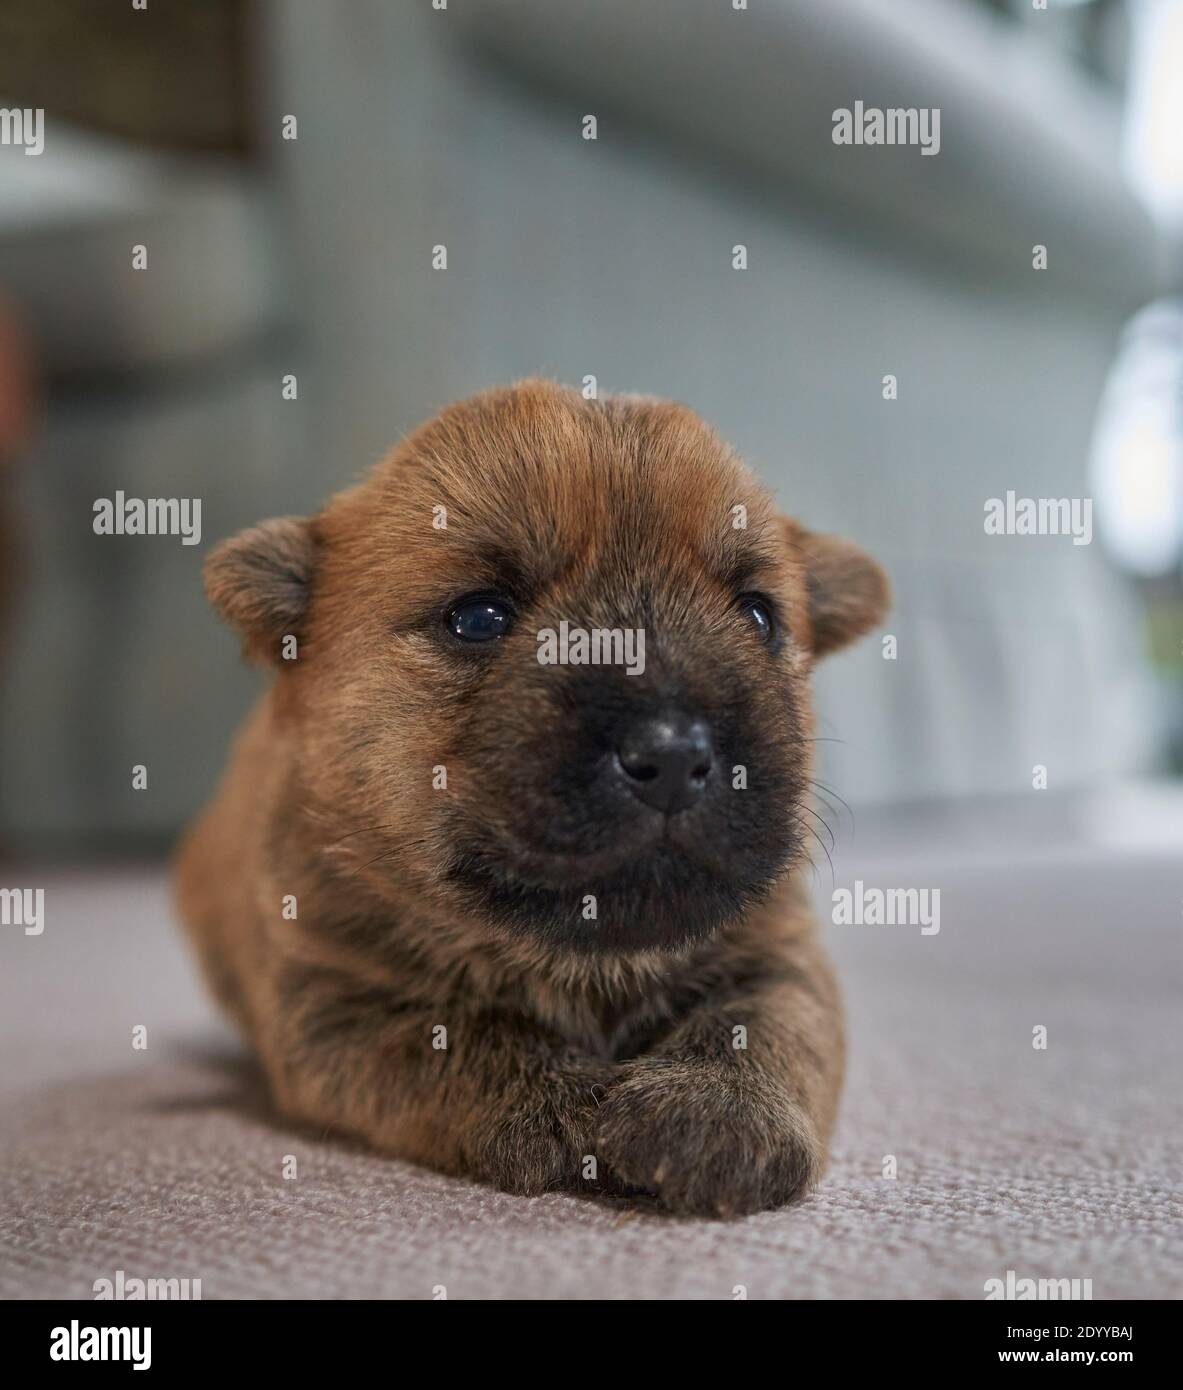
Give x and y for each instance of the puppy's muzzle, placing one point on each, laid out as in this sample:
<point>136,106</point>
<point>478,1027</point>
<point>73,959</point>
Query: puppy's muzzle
<point>666,760</point>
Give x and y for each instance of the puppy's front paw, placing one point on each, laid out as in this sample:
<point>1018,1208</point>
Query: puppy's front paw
<point>541,1141</point>
<point>706,1139</point>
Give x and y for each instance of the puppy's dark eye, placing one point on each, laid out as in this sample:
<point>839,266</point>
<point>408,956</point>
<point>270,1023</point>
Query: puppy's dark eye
<point>479,618</point>
<point>758,612</point>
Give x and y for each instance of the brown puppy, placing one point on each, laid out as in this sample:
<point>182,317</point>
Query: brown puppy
<point>534,921</point>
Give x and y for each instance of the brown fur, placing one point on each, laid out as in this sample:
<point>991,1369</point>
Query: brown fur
<point>564,1040</point>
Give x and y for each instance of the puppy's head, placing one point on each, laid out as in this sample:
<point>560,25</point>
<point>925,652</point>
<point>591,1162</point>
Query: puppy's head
<point>550,667</point>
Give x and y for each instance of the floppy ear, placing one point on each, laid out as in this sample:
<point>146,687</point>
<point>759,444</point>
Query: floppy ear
<point>259,582</point>
<point>847,591</point>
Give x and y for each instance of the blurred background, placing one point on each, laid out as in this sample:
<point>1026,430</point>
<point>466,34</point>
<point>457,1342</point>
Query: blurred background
<point>417,126</point>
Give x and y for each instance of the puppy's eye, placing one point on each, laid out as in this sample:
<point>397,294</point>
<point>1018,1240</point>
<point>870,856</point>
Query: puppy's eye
<point>758,612</point>
<point>479,618</point>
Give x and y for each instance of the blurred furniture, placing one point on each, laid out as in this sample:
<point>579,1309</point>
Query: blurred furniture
<point>159,383</point>
<point>612,257</point>
<point>17,405</point>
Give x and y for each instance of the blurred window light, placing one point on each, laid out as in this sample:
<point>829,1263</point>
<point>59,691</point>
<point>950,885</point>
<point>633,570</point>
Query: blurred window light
<point>1137,452</point>
<point>1153,138</point>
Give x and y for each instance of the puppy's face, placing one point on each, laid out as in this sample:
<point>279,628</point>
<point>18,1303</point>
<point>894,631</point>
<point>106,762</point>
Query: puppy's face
<point>551,665</point>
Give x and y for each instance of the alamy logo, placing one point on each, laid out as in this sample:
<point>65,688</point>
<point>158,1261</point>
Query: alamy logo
<point>78,1343</point>
<point>888,907</point>
<point>152,516</point>
<point>23,126</point>
<point>1013,1287</point>
<point>23,907</point>
<point>601,646</point>
<point>1040,516</point>
<point>898,125</point>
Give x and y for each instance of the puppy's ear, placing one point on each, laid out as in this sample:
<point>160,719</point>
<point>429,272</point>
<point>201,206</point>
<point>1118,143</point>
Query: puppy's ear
<point>846,590</point>
<point>259,582</point>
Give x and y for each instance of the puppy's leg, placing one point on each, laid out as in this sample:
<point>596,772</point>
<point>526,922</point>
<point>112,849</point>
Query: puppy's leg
<point>731,1111</point>
<point>478,1092</point>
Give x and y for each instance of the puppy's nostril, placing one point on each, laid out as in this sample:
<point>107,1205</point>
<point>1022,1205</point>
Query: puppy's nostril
<point>666,761</point>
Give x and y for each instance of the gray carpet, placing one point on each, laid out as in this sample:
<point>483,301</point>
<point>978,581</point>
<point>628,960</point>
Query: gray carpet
<point>1063,1163</point>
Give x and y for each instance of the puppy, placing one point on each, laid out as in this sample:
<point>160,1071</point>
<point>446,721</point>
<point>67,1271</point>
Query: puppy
<point>535,921</point>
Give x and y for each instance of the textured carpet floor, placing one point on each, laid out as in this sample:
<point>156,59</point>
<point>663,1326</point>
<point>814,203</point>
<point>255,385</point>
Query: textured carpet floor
<point>1064,1163</point>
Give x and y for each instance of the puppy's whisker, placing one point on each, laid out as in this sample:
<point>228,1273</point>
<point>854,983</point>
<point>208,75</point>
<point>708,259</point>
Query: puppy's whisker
<point>377,859</point>
<point>829,806</point>
<point>821,788</point>
<point>822,822</point>
<point>349,834</point>
<point>805,826</point>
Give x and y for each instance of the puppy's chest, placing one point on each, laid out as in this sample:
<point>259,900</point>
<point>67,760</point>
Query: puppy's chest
<point>615,1030</point>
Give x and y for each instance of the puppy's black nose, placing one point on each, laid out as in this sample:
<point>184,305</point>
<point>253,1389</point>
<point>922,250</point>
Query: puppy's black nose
<point>666,761</point>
